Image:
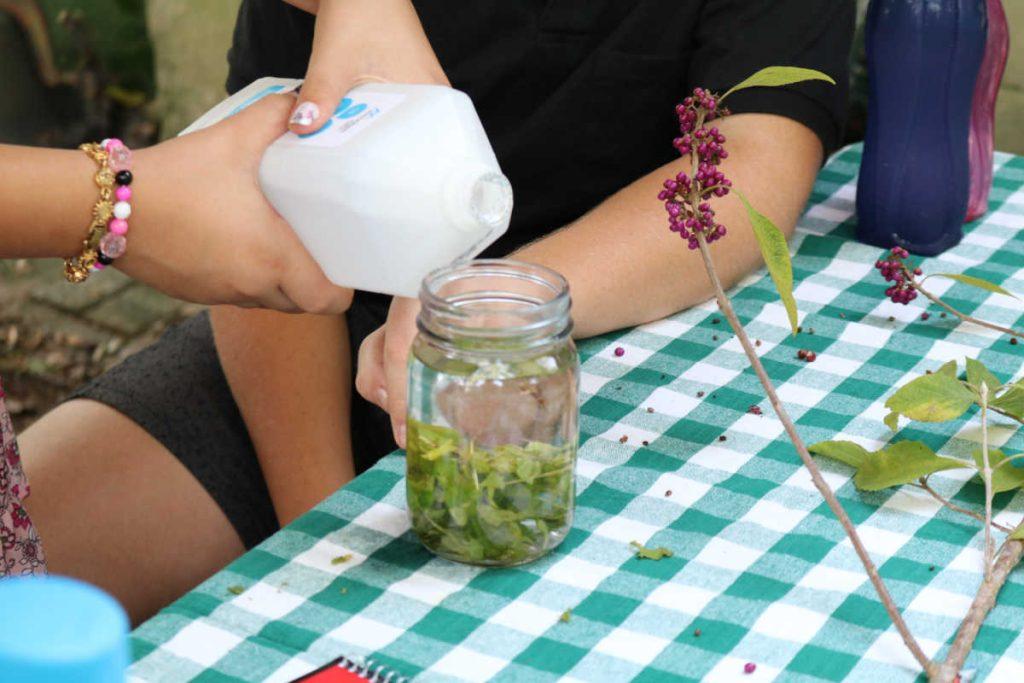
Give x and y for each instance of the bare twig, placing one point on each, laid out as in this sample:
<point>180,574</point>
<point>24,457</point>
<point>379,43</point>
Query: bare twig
<point>1009,557</point>
<point>1006,414</point>
<point>1009,459</point>
<point>963,316</point>
<point>819,482</point>
<point>956,508</point>
<point>986,476</point>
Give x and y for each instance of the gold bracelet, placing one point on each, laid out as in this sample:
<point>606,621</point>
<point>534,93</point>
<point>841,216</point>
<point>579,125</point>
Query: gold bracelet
<point>77,268</point>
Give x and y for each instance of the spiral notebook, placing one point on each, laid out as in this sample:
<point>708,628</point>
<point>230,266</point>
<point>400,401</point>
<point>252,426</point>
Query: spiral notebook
<point>345,670</point>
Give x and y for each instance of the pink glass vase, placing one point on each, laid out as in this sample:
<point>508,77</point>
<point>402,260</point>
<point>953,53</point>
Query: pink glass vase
<point>983,109</point>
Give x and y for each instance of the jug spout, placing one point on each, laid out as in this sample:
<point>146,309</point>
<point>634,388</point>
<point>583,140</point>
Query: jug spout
<point>477,198</point>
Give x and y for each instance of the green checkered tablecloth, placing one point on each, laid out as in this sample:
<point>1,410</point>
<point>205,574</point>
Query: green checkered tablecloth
<point>761,568</point>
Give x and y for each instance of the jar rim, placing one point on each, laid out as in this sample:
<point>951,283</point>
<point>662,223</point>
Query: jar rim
<point>550,314</point>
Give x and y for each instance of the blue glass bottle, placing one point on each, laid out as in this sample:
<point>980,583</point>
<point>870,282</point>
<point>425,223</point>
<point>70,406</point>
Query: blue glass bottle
<point>923,60</point>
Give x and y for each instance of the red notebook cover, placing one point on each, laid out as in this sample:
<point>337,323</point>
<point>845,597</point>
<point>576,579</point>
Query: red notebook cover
<point>345,670</point>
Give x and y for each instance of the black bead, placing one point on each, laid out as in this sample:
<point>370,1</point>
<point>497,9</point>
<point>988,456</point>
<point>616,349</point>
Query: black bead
<point>104,259</point>
<point>123,178</point>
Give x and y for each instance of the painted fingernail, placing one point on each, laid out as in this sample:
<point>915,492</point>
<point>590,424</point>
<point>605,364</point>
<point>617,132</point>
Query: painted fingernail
<point>305,114</point>
<point>382,398</point>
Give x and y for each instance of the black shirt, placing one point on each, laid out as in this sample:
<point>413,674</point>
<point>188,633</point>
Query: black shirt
<point>578,96</point>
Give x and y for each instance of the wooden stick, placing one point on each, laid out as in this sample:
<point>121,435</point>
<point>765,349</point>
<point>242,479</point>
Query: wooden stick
<point>954,507</point>
<point>819,482</point>
<point>963,316</point>
<point>986,476</point>
<point>983,603</point>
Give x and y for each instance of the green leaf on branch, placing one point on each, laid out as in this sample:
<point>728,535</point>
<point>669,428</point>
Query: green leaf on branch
<point>1018,533</point>
<point>775,76</point>
<point>1004,477</point>
<point>978,373</point>
<point>901,463</point>
<point>948,368</point>
<point>776,256</point>
<point>846,452</point>
<point>975,282</point>
<point>892,420</point>
<point>932,398</point>
<point>1011,401</point>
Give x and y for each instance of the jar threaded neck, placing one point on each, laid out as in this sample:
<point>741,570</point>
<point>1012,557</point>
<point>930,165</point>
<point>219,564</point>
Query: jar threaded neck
<point>495,302</point>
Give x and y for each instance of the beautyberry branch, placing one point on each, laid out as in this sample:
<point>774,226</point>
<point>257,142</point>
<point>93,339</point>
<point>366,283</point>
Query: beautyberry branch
<point>686,196</point>
<point>906,285</point>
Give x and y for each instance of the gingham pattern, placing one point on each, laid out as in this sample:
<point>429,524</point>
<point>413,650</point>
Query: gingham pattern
<point>760,566</point>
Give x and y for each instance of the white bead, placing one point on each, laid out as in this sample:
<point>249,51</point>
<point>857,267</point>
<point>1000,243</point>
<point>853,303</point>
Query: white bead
<point>122,210</point>
<point>103,142</point>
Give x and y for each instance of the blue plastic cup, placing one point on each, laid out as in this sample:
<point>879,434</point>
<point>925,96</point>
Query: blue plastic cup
<point>55,629</point>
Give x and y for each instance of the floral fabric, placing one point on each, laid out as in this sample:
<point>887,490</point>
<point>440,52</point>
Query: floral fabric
<point>20,550</point>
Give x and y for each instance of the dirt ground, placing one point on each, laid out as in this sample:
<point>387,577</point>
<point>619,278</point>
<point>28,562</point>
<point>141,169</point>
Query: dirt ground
<point>54,335</point>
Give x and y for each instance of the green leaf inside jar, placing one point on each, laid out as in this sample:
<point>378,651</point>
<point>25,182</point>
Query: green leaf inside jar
<point>495,505</point>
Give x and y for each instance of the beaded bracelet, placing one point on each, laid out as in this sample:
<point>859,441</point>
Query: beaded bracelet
<point>105,240</point>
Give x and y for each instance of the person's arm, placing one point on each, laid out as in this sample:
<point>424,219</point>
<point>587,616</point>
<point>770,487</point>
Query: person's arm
<point>293,385</point>
<point>32,224</point>
<point>200,227</point>
<point>356,41</point>
<point>624,266</point>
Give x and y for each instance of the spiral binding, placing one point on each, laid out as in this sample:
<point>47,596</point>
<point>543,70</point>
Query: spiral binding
<point>367,668</point>
<point>372,671</point>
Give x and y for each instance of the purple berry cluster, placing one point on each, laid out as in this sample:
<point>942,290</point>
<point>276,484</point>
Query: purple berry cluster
<point>689,214</point>
<point>894,270</point>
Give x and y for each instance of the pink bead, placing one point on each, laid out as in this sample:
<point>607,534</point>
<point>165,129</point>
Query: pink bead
<point>113,245</point>
<point>123,193</point>
<point>110,143</point>
<point>118,226</point>
<point>98,266</point>
<point>119,158</point>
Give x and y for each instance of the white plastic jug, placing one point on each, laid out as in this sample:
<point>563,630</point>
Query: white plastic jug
<point>400,181</point>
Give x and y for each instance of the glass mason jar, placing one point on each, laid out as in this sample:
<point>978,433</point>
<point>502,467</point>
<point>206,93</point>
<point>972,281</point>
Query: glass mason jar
<point>493,413</point>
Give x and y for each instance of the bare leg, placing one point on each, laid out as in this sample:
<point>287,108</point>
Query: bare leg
<point>117,509</point>
<point>291,377</point>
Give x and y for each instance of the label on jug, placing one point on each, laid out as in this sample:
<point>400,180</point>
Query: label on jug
<point>354,113</point>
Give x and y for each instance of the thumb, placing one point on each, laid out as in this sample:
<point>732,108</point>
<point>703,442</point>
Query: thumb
<point>327,78</point>
<point>256,126</point>
<point>397,371</point>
